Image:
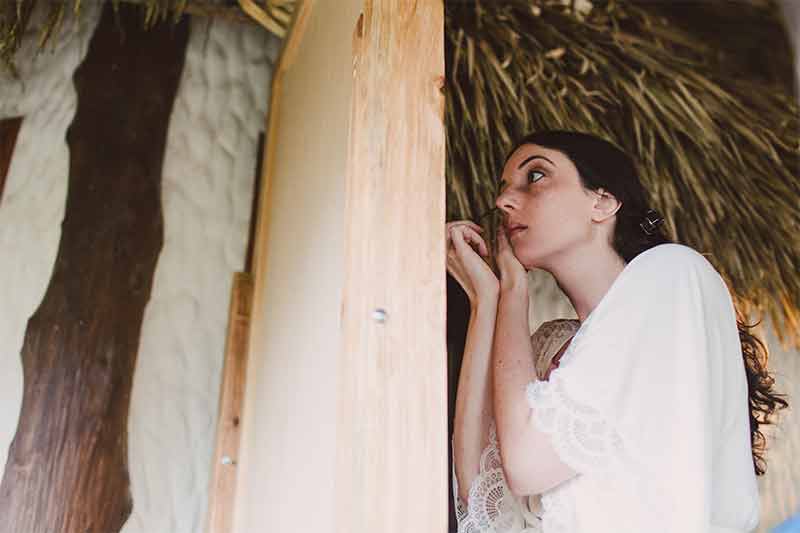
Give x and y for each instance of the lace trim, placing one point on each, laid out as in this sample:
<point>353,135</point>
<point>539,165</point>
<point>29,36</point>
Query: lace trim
<point>491,507</point>
<point>580,435</point>
<point>559,508</point>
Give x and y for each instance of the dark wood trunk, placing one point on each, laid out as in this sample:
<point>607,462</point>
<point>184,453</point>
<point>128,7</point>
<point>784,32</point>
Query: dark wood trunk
<point>9,128</point>
<point>67,466</point>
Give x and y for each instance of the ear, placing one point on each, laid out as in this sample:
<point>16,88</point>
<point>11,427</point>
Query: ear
<point>605,205</point>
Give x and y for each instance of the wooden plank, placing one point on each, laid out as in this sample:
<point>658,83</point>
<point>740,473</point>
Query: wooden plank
<point>9,128</point>
<point>226,456</point>
<point>258,259</point>
<point>67,466</point>
<point>392,435</point>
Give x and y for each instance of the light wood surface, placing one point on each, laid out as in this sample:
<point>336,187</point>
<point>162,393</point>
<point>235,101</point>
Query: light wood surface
<point>222,490</point>
<point>392,434</point>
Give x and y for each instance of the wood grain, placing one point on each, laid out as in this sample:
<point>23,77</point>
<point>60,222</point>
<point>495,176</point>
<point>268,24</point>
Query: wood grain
<point>392,435</point>
<point>67,466</point>
<point>226,456</point>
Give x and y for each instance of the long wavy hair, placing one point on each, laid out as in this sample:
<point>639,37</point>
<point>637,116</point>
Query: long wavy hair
<point>602,164</point>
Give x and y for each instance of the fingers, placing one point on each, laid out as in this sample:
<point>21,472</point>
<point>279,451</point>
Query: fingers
<point>456,224</point>
<point>467,235</point>
<point>467,223</point>
<point>502,241</point>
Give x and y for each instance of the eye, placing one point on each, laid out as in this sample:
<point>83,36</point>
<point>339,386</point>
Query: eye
<point>532,178</point>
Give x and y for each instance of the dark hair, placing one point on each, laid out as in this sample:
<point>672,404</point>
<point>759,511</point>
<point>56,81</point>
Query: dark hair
<point>601,164</point>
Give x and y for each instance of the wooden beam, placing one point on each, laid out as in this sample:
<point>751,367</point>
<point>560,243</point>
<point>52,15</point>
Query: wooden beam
<point>67,465</point>
<point>9,128</point>
<point>265,17</point>
<point>226,456</point>
<point>392,435</point>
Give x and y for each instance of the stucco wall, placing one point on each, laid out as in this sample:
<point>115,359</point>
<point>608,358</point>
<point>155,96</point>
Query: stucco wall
<point>207,187</point>
<point>286,477</point>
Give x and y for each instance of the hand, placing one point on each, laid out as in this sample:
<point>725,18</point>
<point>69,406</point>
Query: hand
<point>513,275</point>
<point>465,265</point>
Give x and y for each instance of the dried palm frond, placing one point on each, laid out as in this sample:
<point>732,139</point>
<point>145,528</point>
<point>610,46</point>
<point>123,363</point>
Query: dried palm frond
<point>718,153</point>
<point>15,16</point>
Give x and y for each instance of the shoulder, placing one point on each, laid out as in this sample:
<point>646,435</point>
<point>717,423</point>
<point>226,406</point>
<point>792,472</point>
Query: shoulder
<point>672,252</point>
<point>671,273</point>
<point>672,259</point>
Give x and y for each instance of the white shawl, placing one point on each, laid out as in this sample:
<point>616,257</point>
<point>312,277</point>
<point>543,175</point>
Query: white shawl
<point>649,404</point>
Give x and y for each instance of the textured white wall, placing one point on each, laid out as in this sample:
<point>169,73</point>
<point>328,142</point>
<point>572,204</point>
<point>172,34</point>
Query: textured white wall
<point>207,189</point>
<point>780,486</point>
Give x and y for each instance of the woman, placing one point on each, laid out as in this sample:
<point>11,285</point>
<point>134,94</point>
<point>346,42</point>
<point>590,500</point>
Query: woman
<point>640,416</point>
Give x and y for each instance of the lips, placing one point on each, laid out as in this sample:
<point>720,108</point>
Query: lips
<point>514,229</point>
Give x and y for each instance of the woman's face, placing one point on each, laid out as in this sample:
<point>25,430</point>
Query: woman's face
<point>540,189</point>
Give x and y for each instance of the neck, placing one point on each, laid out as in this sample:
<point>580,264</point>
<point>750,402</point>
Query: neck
<point>585,274</point>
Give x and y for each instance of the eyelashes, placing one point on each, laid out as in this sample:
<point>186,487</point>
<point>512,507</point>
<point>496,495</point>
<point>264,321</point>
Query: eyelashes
<point>531,173</point>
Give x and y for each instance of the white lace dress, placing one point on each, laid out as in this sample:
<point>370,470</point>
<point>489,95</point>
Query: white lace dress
<point>648,405</point>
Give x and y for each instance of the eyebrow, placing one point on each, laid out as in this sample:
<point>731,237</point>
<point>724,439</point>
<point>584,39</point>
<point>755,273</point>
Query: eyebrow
<point>531,158</point>
<point>528,160</point>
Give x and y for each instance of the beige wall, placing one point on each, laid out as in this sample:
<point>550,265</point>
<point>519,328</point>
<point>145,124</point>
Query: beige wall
<point>286,468</point>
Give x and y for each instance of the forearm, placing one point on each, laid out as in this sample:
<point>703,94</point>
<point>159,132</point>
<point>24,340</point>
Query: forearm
<point>474,396</point>
<point>512,369</point>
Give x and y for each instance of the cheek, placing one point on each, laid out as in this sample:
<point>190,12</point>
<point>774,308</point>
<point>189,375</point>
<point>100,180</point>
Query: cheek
<point>554,214</point>
<point>549,209</point>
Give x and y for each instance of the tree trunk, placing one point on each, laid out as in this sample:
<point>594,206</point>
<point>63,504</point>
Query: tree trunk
<point>67,466</point>
<point>9,128</point>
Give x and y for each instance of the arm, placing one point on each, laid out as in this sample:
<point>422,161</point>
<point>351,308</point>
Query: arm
<point>474,396</point>
<point>530,462</point>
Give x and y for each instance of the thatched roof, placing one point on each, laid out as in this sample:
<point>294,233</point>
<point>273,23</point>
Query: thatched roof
<point>714,124</point>
<point>702,93</point>
<point>274,15</point>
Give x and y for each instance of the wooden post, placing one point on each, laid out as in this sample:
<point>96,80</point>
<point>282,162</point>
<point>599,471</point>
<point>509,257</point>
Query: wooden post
<point>392,434</point>
<point>226,457</point>
<point>67,465</point>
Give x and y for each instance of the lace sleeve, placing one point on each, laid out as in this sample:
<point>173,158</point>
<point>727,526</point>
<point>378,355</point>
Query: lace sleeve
<point>491,507</point>
<point>580,435</point>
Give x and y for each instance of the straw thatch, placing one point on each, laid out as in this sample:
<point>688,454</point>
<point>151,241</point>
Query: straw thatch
<point>717,144</point>
<point>716,137</point>
<point>274,15</point>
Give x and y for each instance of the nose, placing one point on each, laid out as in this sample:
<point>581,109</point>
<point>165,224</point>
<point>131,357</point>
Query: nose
<point>506,202</point>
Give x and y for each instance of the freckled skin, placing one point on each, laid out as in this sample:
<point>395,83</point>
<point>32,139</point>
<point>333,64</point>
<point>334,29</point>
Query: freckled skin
<point>551,202</point>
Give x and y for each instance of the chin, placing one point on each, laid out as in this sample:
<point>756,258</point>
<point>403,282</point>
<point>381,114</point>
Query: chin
<point>529,255</point>
<point>523,254</point>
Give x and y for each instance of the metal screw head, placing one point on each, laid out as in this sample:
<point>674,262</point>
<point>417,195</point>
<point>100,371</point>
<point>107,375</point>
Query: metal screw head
<point>380,315</point>
<point>226,460</point>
